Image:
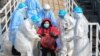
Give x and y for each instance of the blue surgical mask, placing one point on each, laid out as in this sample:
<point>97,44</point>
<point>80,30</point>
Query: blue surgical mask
<point>46,25</point>
<point>61,16</point>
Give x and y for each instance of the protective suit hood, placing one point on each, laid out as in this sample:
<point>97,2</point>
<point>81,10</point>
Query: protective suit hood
<point>77,15</point>
<point>46,7</point>
<point>78,9</point>
<point>33,7</point>
<point>62,13</point>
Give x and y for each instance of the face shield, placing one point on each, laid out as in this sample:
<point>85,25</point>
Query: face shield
<point>76,15</point>
<point>46,10</point>
<point>23,10</point>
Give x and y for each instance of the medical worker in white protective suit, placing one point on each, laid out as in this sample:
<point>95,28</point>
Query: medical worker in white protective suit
<point>33,7</point>
<point>27,37</point>
<point>46,12</point>
<point>67,24</point>
<point>81,41</point>
<point>16,20</point>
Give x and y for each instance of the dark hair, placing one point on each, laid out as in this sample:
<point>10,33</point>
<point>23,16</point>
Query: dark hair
<point>42,25</point>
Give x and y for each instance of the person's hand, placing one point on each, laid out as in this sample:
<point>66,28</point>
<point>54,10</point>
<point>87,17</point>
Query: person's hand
<point>57,50</point>
<point>52,34</point>
<point>46,34</point>
<point>41,35</point>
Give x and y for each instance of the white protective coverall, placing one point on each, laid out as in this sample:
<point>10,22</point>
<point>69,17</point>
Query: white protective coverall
<point>26,38</point>
<point>67,32</point>
<point>81,41</point>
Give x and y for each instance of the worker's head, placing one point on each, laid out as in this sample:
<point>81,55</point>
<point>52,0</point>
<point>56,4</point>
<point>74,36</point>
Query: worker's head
<point>77,12</point>
<point>62,13</point>
<point>46,23</point>
<point>78,9</point>
<point>35,19</point>
<point>46,7</point>
<point>22,5</point>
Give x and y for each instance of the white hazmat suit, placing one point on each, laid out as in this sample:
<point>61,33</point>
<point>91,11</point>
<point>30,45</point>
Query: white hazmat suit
<point>26,38</point>
<point>81,41</point>
<point>67,33</point>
